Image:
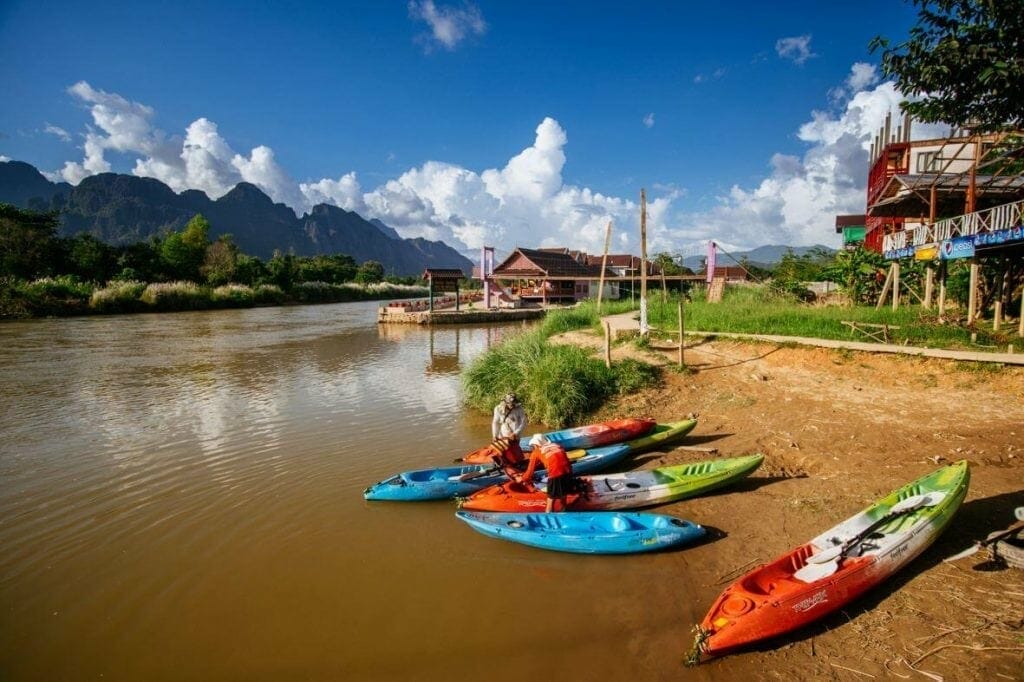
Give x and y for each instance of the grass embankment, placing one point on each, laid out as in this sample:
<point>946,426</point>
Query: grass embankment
<point>558,384</point>
<point>66,295</point>
<point>758,310</point>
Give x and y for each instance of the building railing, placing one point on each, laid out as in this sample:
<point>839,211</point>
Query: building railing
<point>992,219</point>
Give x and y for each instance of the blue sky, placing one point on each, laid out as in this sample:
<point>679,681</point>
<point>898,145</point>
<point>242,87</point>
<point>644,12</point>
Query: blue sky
<point>506,123</point>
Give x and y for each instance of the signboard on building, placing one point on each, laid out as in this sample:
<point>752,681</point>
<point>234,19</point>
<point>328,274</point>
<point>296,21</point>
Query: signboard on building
<point>1013,234</point>
<point>957,247</point>
<point>904,252</point>
<point>926,252</point>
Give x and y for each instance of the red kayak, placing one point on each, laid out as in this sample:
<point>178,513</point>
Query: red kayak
<point>589,436</point>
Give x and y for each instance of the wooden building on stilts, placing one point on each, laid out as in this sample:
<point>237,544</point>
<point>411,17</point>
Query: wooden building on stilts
<point>939,201</point>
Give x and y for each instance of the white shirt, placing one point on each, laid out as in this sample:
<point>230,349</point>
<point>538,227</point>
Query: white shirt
<point>508,423</point>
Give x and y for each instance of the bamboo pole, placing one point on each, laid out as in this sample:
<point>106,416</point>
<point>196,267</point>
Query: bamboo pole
<point>608,344</point>
<point>929,287</point>
<point>885,288</point>
<point>664,288</point>
<point>896,285</point>
<point>643,262</point>
<point>604,262</point>
<point>681,365</point>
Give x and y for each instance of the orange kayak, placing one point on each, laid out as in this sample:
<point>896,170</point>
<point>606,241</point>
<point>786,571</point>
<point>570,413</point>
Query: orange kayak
<point>589,436</point>
<point>823,575</point>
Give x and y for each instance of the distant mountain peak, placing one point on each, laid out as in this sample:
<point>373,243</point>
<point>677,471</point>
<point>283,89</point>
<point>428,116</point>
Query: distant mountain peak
<point>124,209</point>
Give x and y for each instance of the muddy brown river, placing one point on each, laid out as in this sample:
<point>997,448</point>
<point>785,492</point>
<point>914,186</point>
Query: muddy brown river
<point>181,499</point>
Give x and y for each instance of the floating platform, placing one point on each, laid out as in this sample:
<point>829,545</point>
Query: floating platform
<point>449,316</point>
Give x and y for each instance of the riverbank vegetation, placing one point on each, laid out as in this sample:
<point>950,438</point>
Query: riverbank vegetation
<point>764,309</point>
<point>558,384</point>
<point>42,274</point>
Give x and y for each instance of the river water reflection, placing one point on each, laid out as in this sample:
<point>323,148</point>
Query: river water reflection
<point>180,499</point>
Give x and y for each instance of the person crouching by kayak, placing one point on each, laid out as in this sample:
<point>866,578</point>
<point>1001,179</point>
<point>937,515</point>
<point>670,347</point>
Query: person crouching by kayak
<point>560,480</point>
<point>508,456</point>
<point>509,418</point>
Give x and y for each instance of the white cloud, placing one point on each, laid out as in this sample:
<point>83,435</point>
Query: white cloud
<point>4,159</point>
<point>344,192</point>
<point>201,160</point>
<point>715,75</point>
<point>649,120</point>
<point>449,26</point>
<point>58,132</point>
<point>798,201</point>
<point>525,201</point>
<point>796,48</point>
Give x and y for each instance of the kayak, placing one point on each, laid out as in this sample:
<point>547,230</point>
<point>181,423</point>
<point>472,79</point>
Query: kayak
<point>587,533</point>
<point>589,436</point>
<point>444,482</point>
<point>629,490</point>
<point>834,568</point>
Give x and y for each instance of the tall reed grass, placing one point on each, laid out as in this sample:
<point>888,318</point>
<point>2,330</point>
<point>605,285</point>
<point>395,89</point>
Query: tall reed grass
<point>558,384</point>
<point>119,296</point>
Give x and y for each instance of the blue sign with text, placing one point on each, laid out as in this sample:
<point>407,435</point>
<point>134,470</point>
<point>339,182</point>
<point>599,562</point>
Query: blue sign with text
<point>957,247</point>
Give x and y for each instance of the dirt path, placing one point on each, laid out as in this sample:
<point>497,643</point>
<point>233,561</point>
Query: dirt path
<point>839,429</point>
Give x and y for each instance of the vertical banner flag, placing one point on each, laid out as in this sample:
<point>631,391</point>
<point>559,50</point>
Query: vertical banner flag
<point>711,261</point>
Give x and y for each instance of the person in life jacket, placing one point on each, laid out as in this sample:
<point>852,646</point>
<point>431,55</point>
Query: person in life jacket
<point>508,456</point>
<point>560,479</point>
<point>509,418</point>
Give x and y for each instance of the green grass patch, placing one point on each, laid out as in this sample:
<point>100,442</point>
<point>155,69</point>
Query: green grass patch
<point>759,310</point>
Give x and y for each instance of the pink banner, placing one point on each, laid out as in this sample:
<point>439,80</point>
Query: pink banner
<point>711,261</point>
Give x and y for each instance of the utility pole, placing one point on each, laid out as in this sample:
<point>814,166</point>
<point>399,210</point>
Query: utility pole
<point>604,263</point>
<point>643,262</point>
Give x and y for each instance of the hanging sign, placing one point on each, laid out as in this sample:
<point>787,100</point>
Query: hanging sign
<point>896,254</point>
<point>1013,234</point>
<point>926,252</point>
<point>957,247</point>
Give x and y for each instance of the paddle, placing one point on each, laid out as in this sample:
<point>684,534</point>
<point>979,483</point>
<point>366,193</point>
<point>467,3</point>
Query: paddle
<point>477,474</point>
<point>571,454</point>
<point>826,562</point>
<point>992,538</point>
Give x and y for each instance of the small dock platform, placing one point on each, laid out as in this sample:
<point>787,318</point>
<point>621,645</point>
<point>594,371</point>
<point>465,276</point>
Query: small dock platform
<point>469,315</point>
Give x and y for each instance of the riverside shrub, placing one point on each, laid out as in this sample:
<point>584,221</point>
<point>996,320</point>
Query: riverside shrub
<point>176,296</point>
<point>119,296</point>
<point>63,295</point>
<point>233,296</point>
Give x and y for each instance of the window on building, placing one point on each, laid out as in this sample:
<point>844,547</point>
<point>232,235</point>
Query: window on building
<point>929,162</point>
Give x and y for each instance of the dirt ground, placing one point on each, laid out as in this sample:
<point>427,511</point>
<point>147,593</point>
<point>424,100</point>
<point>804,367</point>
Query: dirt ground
<point>839,429</point>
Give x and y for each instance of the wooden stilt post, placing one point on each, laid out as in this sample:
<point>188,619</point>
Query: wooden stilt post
<point>942,289</point>
<point>430,291</point>
<point>929,286</point>
<point>604,262</point>
<point>885,288</point>
<point>972,294</point>
<point>681,365</point>
<point>896,285</point>
<point>1020,319</point>
<point>1003,296</point>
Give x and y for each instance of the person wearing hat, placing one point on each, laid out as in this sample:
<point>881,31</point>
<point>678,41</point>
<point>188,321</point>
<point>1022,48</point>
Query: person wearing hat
<point>506,428</point>
<point>509,418</point>
<point>559,467</point>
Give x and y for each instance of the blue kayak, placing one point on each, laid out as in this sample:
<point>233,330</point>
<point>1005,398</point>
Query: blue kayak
<point>587,532</point>
<point>443,483</point>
